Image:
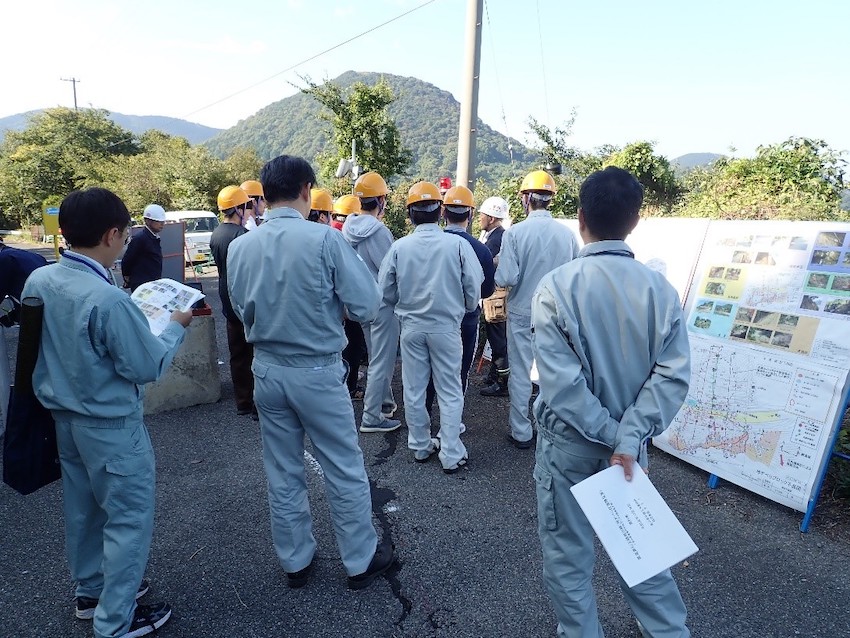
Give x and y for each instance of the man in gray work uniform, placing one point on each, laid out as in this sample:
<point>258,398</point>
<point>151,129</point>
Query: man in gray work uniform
<point>530,249</point>
<point>289,281</point>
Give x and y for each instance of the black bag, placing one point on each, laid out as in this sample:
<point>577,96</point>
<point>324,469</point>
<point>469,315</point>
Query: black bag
<point>30,455</point>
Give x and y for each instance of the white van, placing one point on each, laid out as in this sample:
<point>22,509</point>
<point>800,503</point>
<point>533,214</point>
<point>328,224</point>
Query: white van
<point>199,227</point>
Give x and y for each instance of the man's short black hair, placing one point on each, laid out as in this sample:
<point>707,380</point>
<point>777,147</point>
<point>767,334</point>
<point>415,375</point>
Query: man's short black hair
<point>457,218</point>
<point>611,201</point>
<point>284,177</point>
<point>368,204</point>
<point>85,215</point>
<point>419,216</point>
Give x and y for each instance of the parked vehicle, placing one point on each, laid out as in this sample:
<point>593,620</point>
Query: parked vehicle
<point>199,227</point>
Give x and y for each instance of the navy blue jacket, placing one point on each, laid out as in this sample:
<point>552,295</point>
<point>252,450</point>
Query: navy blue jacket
<point>142,262</point>
<point>494,240</point>
<point>485,258</point>
<point>15,266</point>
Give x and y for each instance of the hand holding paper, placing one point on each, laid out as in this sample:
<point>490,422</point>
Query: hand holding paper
<point>636,527</point>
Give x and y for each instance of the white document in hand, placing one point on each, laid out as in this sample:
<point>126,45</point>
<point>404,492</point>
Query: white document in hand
<point>636,527</point>
<point>158,299</point>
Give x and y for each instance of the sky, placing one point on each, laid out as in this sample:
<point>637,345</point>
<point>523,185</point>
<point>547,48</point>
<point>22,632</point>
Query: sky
<point>688,76</point>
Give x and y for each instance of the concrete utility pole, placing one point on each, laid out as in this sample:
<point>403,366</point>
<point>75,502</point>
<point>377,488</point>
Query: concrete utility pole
<point>73,81</point>
<point>469,96</point>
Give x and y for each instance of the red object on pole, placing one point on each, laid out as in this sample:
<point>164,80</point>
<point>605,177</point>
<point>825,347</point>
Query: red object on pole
<point>445,184</point>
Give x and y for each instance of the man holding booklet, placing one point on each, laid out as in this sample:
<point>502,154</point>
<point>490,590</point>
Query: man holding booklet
<point>612,354</point>
<point>96,353</point>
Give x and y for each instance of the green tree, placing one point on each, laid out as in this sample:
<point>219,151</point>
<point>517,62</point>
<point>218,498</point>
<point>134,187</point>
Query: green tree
<point>60,150</point>
<point>359,114</point>
<point>661,188</point>
<point>799,178</point>
<point>243,164</point>
<point>170,172</point>
<point>557,154</point>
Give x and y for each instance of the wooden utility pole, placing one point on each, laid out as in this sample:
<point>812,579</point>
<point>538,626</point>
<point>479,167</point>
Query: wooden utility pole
<point>469,96</point>
<point>73,81</point>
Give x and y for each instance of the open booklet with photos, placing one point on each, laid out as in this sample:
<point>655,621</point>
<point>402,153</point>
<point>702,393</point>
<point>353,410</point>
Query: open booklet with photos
<point>158,299</point>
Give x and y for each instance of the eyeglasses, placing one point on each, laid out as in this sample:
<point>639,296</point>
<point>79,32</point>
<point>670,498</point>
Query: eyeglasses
<point>126,235</point>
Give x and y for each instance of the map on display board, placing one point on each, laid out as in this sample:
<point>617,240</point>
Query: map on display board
<point>670,246</point>
<point>768,314</point>
<point>778,285</point>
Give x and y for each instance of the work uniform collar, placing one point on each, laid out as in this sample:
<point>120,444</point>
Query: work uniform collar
<point>73,260</point>
<point>542,212</point>
<point>607,246</point>
<point>283,211</point>
<point>427,228</point>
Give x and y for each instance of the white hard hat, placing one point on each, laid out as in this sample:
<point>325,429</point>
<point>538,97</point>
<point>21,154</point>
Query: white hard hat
<point>494,207</point>
<point>154,212</point>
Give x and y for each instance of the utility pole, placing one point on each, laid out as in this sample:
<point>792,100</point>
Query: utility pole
<point>73,81</point>
<point>469,96</point>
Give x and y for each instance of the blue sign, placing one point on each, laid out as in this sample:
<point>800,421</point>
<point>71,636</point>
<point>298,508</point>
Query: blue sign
<point>52,211</point>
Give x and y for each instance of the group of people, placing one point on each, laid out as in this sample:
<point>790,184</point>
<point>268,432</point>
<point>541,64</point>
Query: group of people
<point>293,292</point>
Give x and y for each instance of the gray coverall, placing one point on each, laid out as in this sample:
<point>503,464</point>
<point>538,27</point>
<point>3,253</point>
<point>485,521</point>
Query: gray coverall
<point>289,280</point>
<point>590,316</point>
<point>96,353</point>
<point>530,249</point>
<point>432,279</point>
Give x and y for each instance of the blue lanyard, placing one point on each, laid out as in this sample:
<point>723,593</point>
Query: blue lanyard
<point>98,272</point>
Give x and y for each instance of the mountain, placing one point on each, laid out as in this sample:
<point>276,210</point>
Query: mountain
<point>686,162</point>
<point>427,118</point>
<point>138,124</point>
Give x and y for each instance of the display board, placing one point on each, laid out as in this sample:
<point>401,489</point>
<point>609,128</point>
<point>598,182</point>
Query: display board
<point>768,312</point>
<point>670,246</point>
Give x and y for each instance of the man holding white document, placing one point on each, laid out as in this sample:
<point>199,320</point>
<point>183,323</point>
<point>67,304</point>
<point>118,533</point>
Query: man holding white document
<point>612,354</point>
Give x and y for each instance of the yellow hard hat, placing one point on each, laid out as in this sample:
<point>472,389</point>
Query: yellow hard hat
<point>370,185</point>
<point>231,197</point>
<point>253,188</point>
<point>347,204</point>
<point>423,192</point>
<point>459,196</point>
<point>538,181</point>
<point>321,199</point>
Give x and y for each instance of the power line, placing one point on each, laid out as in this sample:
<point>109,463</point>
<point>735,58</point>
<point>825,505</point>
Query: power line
<point>294,66</point>
<point>496,74</point>
<point>543,66</point>
<point>311,58</point>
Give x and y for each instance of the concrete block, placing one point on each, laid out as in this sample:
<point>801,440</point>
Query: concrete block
<point>192,378</point>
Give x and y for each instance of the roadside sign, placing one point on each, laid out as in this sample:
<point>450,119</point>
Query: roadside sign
<point>50,220</point>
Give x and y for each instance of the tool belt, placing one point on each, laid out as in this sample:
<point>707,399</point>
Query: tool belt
<point>496,307</point>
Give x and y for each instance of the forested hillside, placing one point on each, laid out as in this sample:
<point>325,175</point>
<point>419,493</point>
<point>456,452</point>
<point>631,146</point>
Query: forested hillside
<point>426,116</point>
<point>138,124</point>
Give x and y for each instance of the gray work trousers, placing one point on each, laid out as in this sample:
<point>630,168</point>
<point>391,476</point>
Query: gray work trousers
<point>292,402</point>
<point>519,382</point>
<point>433,355</point>
<point>566,537</point>
<point>382,344</point>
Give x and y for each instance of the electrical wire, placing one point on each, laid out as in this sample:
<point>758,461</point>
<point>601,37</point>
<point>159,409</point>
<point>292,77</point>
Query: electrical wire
<point>496,69</point>
<point>543,66</point>
<point>297,64</point>
<point>311,58</point>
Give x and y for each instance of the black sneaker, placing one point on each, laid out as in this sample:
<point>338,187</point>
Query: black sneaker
<point>494,390</point>
<point>381,562</point>
<point>521,445</point>
<point>147,619</point>
<point>298,579</point>
<point>85,605</point>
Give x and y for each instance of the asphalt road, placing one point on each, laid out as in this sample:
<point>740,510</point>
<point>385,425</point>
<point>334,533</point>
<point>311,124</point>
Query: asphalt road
<point>469,556</point>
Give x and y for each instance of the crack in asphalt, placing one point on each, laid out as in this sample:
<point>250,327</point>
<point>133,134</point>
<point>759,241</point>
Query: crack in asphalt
<point>381,497</point>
